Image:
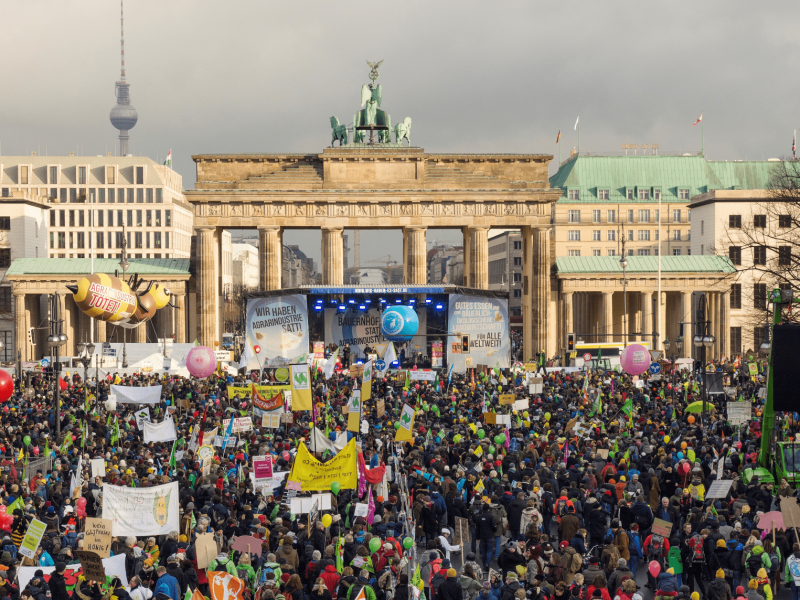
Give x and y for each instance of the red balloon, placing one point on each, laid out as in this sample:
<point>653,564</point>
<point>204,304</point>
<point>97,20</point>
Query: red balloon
<point>6,386</point>
<point>257,349</point>
<point>654,568</point>
<point>36,450</point>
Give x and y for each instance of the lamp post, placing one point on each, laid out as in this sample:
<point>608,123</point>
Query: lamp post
<point>124,265</point>
<point>85,350</point>
<point>673,350</point>
<point>703,340</point>
<point>55,341</point>
<point>623,262</point>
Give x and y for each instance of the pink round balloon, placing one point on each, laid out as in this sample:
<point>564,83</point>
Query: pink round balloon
<point>635,359</point>
<point>201,361</point>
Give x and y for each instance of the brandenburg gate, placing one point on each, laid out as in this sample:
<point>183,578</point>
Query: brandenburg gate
<point>378,185</point>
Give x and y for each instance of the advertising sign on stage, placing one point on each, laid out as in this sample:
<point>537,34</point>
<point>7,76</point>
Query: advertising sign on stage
<point>279,327</point>
<point>481,324</point>
<point>436,353</point>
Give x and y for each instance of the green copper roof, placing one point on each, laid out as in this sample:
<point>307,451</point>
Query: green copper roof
<point>617,174</point>
<point>81,266</point>
<point>645,264</point>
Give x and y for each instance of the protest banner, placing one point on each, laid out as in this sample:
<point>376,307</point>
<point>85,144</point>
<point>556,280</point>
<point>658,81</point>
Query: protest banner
<point>142,511</point>
<point>206,549</point>
<point>661,527</point>
<point>507,398</point>
<point>267,391</point>
<point>32,538</point>
<point>366,382</point>
<point>268,486</point>
<point>160,432</point>
<point>114,567</point>
<point>314,475</point>
<point>301,387</point>
<point>137,395</point>
<point>97,536</point>
<point>224,586</point>
<point>422,375</point>
<point>739,412</point>
<point>92,565</point>
<point>141,416</point>
<point>262,468</point>
<point>98,467</point>
<point>240,424</point>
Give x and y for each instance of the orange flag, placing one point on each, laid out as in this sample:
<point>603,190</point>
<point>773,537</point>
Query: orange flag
<point>224,586</point>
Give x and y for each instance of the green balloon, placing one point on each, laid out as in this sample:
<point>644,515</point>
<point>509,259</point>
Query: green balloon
<point>499,388</point>
<point>492,450</point>
<point>336,487</point>
<point>27,440</point>
<point>397,424</point>
<point>481,434</point>
<point>500,438</point>
<point>407,543</point>
<point>374,545</point>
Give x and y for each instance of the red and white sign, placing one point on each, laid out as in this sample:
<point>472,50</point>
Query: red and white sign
<point>262,467</point>
<point>587,356</point>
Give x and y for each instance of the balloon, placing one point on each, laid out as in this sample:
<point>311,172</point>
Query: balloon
<point>499,388</point>
<point>111,405</point>
<point>525,414</point>
<point>336,487</point>
<point>680,455</point>
<point>26,440</point>
<point>327,520</point>
<point>547,416</point>
<point>399,323</point>
<point>416,387</point>
<point>6,386</point>
<point>499,438</point>
<point>666,439</point>
<point>481,434</point>
<point>35,450</point>
<point>635,359</point>
<point>374,545</point>
<point>452,398</point>
<point>257,349</point>
<point>683,445</point>
<point>110,294</point>
<point>691,454</point>
<point>683,469</point>
<point>492,450</point>
<point>286,456</point>
<point>457,438</point>
<point>407,543</point>
<point>201,362</point>
<point>654,567</point>
<point>80,507</point>
<point>397,424</point>
<point>690,418</point>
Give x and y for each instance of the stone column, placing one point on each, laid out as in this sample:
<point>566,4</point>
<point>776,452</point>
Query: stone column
<point>540,289</point>
<point>660,319</point>
<point>332,256</point>
<point>20,335</point>
<point>180,319</point>
<point>270,257</point>
<point>479,257</point>
<point>686,311</point>
<point>568,315</point>
<point>416,254</point>
<point>100,332</point>
<point>608,316</point>
<point>527,289</point>
<point>139,334</point>
<point>206,287</point>
<point>466,234</point>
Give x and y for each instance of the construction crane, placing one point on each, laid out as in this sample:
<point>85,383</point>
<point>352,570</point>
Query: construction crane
<point>356,249</point>
<point>388,262</point>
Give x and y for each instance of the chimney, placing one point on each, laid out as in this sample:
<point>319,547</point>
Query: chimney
<point>33,152</point>
<point>72,153</point>
<point>108,154</point>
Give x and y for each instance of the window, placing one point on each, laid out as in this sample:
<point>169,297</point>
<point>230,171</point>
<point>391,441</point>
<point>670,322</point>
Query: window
<point>676,235</point>
<point>574,194</point>
<point>62,239</point>
<point>139,195</point>
<point>63,195</point>
<point>110,175</point>
<point>166,240</point>
<point>644,194</point>
<point>676,215</point>
<point>736,340</point>
<point>149,218</point>
<point>595,216</point>
<point>735,221</point>
<point>517,293</point>
<point>157,239</point>
<point>602,194</point>
<point>517,261</point>
<point>71,240</point>
<point>644,216</point>
<point>630,235</point>
<point>4,193</point>
<point>760,255</point>
<point>101,196</point>
<point>574,235</point>
<point>23,175</point>
<point>683,194</point>
<point>630,252</point>
<point>61,218</point>
<point>612,235</point>
<point>120,240</point>
<point>147,239</point>
<point>517,276</point>
<point>52,218</point>
<point>574,216</point>
<point>656,195</point>
<point>111,196</point>
<point>138,218</point>
<point>735,254</point>
<point>81,222</point>
<point>81,239</point>
<point>119,219</point>
<point>612,252</point>
<point>676,252</point>
<point>630,216</point>
<point>5,299</point>
<point>760,295</point>
<point>630,194</point>
<point>159,198</point>
<point>130,218</point>
<point>643,252</point>
<point>5,258</point>
<point>596,235</point>
<point>688,216</point>
<point>72,218</point>
<point>138,239</point>
<point>573,252</point>
<point>736,295</point>
<point>658,216</point>
<point>168,218</point>
<point>130,195</point>
<point>689,251</point>
<point>517,245</point>
<point>784,221</point>
<point>758,336</point>
<point>81,175</point>
<point>158,224</point>
<point>702,227</point>
<point>99,237</point>
<point>5,223</point>
<point>784,256</point>
<point>53,176</point>
<point>53,193</point>
<point>612,216</point>
<point>73,194</point>
<point>139,175</point>
<point>644,235</point>
<point>702,249</point>
<point>760,221</point>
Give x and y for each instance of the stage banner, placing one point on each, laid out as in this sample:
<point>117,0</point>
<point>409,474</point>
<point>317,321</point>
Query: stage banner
<point>314,475</point>
<point>142,511</point>
<point>483,332</point>
<point>137,395</point>
<point>279,327</point>
<point>159,432</point>
<point>362,328</point>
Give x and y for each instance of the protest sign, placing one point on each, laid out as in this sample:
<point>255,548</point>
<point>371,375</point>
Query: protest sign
<point>262,467</point>
<point>719,488</point>
<point>661,527</point>
<point>422,375</point>
<point>314,475</point>
<point>739,412</point>
<point>461,532</point>
<point>114,567</point>
<point>267,391</point>
<point>507,398</point>
<point>160,432</point>
<point>137,395</point>
<point>362,509</point>
<point>380,407</point>
<point>268,486</point>
<point>240,424</point>
<point>142,511</point>
<point>521,404</point>
<point>92,565</point>
<point>301,506</point>
<point>271,420</point>
<point>97,536</point>
<point>32,538</point>
<point>206,549</point>
<point>141,416</point>
<point>98,467</point>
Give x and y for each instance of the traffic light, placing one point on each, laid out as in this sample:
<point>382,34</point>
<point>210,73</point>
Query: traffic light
<point>570,342</point>
<point>32,336</point>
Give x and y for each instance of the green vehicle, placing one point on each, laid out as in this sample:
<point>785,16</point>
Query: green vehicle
<point>777,460</point>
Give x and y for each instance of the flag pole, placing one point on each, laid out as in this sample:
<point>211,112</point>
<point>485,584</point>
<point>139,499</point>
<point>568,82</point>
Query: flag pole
<point>703,137</point>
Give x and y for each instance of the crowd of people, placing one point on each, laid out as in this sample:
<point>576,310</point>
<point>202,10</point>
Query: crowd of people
<point>572,494</point>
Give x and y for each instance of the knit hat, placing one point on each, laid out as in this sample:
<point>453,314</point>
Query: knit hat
<point>752,585</point>
<point>720,574</point>
<point>762,573</point>
<point>720,543</point>
<point>487,585</point>
<point>452,573</point>
<point>740,591</point>
<point>671,571</point>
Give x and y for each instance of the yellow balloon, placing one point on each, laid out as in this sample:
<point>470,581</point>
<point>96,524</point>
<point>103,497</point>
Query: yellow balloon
<point>666,439</point>
<point>526,423</point>
<point>327,520</point>
<point>547,416</point>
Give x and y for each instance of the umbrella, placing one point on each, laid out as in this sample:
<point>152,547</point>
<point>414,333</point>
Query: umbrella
<point>248,543</point>
<point>697,407</point>
<point>770,520</point>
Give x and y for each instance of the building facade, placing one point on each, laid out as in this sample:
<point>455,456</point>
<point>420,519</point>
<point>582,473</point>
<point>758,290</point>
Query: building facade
<point>446,265</point>
<point>94,198</point>
<point>245,266</point>
<point>505,269</point>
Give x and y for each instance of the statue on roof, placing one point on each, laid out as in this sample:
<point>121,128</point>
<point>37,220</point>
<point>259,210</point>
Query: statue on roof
<point>371,117</point>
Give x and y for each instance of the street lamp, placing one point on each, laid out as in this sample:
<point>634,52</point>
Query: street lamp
<point>55,340</point>
<point>673,350</point>
<point>703,340</point>
<point>85,350</point>
<point>623,262</point>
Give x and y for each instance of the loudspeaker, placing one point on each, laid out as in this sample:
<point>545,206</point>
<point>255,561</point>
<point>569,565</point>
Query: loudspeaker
<point>785,352</point>
<point>714,383</point>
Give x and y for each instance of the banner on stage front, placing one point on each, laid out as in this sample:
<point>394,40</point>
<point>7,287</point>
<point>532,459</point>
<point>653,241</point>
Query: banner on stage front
<point>160,432</point>
<point>142,511</point>
<point>279,327</point>
<point>314,475</point>
<point>137,395</point>
<point>478,328</point>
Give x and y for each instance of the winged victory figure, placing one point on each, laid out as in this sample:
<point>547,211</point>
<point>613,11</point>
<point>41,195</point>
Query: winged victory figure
<point>371,96</point>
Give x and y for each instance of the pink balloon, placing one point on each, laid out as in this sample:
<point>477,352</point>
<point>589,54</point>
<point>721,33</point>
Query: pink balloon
<point>286,456</point>
<point>2,509</point>
<point>416,386</point>
<point>36,450</point>
<point>654,568</point>
<point>81,503</point>
<point>635,359</point>
<point>453,398</point>
<point>201,362</point>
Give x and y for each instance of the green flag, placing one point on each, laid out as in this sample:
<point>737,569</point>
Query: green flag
<point>627,408</point>
<point>14,505</point>
<point>172,462</point>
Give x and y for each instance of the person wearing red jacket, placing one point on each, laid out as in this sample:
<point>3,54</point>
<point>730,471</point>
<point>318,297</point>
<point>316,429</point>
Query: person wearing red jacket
<point>563,503</point>
<point>656,547</point>
<point>331,577</point>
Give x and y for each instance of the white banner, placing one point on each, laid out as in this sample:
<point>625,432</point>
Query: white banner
<point>240,424</point>
<point>268,486</point>
<point>159,432</point>
<point>422,375</point>
<point>142,511</point>
<point>114,566</point>
<point>137,395</point>
<point>142,416</point>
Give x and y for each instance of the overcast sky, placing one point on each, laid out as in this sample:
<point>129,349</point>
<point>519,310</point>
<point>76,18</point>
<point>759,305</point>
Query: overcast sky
<point>475,76</point>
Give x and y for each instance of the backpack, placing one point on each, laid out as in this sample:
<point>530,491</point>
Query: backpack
<point>695,543</point>
<point>634,544</point>
<point>11,549</point>
<point>754,563</point>
<point>612,556</point>
<point>561,507</point>
<point>776,562</point>
<point>438,580</point>
<point>436,566</point>
<point>656,545</point>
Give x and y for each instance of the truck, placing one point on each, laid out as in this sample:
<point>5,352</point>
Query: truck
<point>227,341</point>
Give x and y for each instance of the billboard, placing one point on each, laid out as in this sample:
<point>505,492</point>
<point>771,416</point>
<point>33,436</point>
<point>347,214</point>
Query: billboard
<point>278,326</point>
<point>478,331</point>
<point>361,328</point>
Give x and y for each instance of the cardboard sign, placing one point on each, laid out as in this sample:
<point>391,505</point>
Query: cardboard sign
<point>32,538</point>
<point>206,549</point>
<point>602,453</point>
<point>661,527</point>
<point>507,398</point>
<point>92,565</point>
<point>98,470</point>
<point>380,407</point>
<point>357,370</point>
<point>461,531</point>
<point>523,404</point>
<point>791,512</point>
<point>361,510</point>
<point>531,367</point>
<point>490,418</point>
<point>536,385</point>
<point>97,537</point>
<point>400,379</point>
<point>271,420</point>
<point>184,403</point>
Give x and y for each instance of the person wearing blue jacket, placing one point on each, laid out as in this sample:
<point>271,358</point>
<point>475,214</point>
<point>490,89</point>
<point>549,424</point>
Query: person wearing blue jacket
<point>167,584</point>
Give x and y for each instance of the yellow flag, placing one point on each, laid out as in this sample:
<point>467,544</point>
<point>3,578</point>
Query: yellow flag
<point>301,387</point>
<point>354,412</point>
<point>366,381</point>
<point>21,454</point>
<point>117,380</point>
<point>314,475</point>
<point>405,432</point>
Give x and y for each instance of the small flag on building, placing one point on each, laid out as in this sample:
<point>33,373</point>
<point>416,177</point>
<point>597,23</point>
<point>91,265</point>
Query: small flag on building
<point>699,120</point>
<point>576,122</point>
<point>558,137</point>
<point>168,162</point>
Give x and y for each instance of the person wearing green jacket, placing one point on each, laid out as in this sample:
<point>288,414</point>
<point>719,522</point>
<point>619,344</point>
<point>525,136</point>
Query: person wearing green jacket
<point>757,559</point>
<point>674,560</point>
<point>362,583</point>
<point>245,572</point>
<point>223,563</point>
